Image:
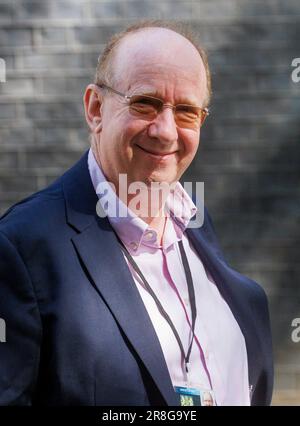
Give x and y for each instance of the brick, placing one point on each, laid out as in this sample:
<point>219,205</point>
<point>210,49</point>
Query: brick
<point>234,204</point>
<point>53,135</point>
<point>180,10</point>
<point>7,111</point>
<point>108,9</point>
<point>6,11</point>
<point>54,9</point>
<point>216,9</point>
<point>220,9</point>
<point>18,87</point>
<point>257,107</point>
<point>16,136</point>
<point>15,37</point>
<point>53,158</point>
<point>65,84</point>
<point>232,32</point>
<point>271,132</point>
<point>54,85</point>
<point>94,34</point>
<point>53,110</point>
<point>8,159</point>
<point>272,82</point>
<point>240,82</point>
<point>246,251</point>
<point>88,60</point>
<point>17,182</point>
<point>243,229</point>
<point>77,85</point>
<point>236,134</point>
<point>49,61</point>
<point>262,80</point>
<point>50,36</point>
<point>139,9</point>
<point>268,7</point>
<point>252,184</point>
<point>79,138</point>
<point>32,9</point>
<point>67,9</point>
<point>266,58</point>
<point>280,159</point>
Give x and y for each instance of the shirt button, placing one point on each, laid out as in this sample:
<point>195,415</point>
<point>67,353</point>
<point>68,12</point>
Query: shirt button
<point>133,245</point>
<point>149,235</point>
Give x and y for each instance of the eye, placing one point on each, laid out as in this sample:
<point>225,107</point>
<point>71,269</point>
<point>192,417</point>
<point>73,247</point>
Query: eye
<point>187,112</point>
<point>144,105</point>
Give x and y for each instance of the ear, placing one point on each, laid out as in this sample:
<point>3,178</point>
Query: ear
<point>92,100</point>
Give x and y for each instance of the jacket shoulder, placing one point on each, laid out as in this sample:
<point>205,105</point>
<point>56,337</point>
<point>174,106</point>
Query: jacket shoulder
<point>34,212</point>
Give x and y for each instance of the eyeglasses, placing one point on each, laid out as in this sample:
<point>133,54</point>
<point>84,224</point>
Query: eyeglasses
<point>148,107</point>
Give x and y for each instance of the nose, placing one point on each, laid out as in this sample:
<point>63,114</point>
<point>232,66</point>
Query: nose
<point>163,127</point>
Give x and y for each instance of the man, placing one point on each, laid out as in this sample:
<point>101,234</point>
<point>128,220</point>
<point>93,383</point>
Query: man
<point>130,309</point>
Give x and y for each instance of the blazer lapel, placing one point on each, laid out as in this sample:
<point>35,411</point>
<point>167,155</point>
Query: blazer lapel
<point>99,251</point>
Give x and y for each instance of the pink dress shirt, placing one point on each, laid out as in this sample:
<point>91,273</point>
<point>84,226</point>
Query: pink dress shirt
<point>218,335</point>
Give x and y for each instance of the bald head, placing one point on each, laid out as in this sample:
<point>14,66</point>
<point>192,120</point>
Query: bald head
<point>157,48</point>
<point>149,43</point>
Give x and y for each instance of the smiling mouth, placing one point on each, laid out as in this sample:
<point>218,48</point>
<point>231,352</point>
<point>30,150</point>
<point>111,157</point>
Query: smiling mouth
<point>157,154</point>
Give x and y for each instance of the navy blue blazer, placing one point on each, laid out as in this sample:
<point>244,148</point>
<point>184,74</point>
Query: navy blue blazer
<point>77,331</point>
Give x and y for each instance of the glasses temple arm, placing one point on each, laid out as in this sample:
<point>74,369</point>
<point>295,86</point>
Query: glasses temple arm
<point>102,85</point>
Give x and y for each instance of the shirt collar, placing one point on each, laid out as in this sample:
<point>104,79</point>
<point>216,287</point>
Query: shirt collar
<point>131,229</point>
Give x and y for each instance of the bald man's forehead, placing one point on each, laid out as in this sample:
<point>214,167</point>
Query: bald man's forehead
<point>158,45</point>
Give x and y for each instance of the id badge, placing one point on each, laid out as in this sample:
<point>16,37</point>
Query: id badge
<point>195,396</point>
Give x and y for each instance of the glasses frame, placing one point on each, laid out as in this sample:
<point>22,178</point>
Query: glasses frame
<point>173,107</point>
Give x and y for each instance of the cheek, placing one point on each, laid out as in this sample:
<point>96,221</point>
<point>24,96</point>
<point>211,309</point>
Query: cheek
<point>133,132</point>
<point>190,145</point>
<point>129,133</point>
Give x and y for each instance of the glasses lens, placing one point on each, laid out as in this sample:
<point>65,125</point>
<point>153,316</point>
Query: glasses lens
<point>186,116</point>
<point>189,116</point>
<point>145,105</point>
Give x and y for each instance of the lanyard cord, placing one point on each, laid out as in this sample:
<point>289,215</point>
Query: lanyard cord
<point>191,291</point>
<point>159,305</point>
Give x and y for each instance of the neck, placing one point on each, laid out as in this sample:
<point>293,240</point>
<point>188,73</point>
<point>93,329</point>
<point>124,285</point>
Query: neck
<point>150,208</point>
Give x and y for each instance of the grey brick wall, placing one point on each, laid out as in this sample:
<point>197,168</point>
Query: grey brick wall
<point>249,157</point>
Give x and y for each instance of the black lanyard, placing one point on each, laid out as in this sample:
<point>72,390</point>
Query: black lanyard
<point>159,305</point>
